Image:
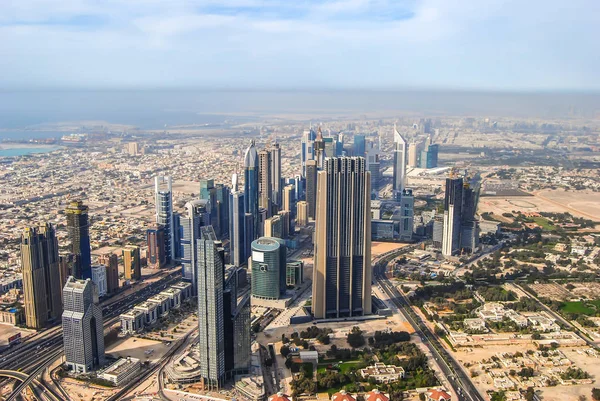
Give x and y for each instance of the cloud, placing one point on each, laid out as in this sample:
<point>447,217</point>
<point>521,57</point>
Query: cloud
<point>504,44</point>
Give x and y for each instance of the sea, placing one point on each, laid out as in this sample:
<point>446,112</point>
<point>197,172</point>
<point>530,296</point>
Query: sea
<point>13,152</point>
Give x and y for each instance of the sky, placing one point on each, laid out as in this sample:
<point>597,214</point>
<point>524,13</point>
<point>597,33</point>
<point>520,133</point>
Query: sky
<point>510,45</point>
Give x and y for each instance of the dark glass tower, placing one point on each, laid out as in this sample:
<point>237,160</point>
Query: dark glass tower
<point>453,204</point>
<point>251,193</point>
<point>79,234</point>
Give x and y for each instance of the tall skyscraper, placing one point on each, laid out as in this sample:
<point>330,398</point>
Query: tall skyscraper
<point>251,184</point>
<point>399,162</point>
<point>469,232</point>
<point>289,199</point>
<point>196,215</point>
<point>269,257</point>
<point>132,266</point>
<point>163,191</point>
<point>342,257</point>
<point>211,325</point>
<point>237,247</point>
<point>311,187</point>
<point>374,165</point>
<point>302,213</point>
<point>79,234</point>
<point>307,151</point>
<point>265,181</point>
<point>359,145</point>
<point>452,216</point>
<point>405,215</point>
<point>99,279</point>
<point>155,238</point>
<point>208,192</point>
<point>237,326</point>
<point>223,208</point>
<point>413,154</point>
<point>249,233</point>
<point>276,179</point>
<point>319,146</point>
<point>111,261</point>
<point>274,227</point>
<point>83,328</point>
<point>41,276</point>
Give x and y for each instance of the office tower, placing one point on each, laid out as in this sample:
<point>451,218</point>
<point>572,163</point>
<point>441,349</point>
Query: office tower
<point>331,146</point>
<point>342,256</point>
<point>404,215</point>
<point>413,154</point>
<point>289,199</point>
<point>211,325</point>
<point>223,209</point>
<point>111,261</point>
<point>399,162</point>
<point>311,187</point>
<point>294,272</point>
<point>438,231</point>
<point>269,256</point>
<point>432,156</point>
<point>373,165</point>
<point>319,146</point>
<point>359,145</point>
<point>79,234</point>
<point>99,279</point>
<point>208,192</point>
<point>307,151</point>
<point>241,336</point>
<point>163,191</point>
<point>83,328</point>
<point>265,181</point>
<point>276,179</point>
<point>273,227</point>
<point>452,216</point>
<point>302,213</point>
<point>237,248</point>
<point>248,234</point>
<point>286,223</point>
<point>41,276</point>
<point>155,239</point>
<point>132,266</point>
<point>251,184</point>
<point>197,214</point>
<point>299,183</point>
<point>65,266</point>
<point>469,232</point>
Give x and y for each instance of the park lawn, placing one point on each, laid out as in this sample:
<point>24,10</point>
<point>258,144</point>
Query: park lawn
<point>544,223</point>
<point>343,366</point>
<point>581,307</point>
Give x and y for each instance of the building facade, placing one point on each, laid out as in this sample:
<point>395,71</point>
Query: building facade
<point>311,187</point>
<point>163,192</point>
<point>79,235</point>
<point>399,167</point>
<point>268,268</point>
<point>99,279</point>
<point>155,238</point>
<point>132,264</point>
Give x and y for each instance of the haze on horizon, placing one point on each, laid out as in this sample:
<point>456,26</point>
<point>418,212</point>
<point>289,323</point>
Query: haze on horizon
<point>499,45</point>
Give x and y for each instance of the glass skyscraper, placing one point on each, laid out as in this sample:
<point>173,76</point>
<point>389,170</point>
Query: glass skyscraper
<point>79,234</point>
<point>164,214</point>
<point>251,193</point>
<point>268,268</point>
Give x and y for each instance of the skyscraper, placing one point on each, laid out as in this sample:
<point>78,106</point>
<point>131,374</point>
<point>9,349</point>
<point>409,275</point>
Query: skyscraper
<point>164,213</point>
<point>208,192</point>
<point>79,234</point>
<point>307,151</point>
<point>273,227</point>
<point>289,199</point>
<point>237,247</point>
<point>41,276</point>
<point>404,215</point>
<point>399,162</point>
<point>452,216</point>
<point>302,213</point>
<point>251,184</point>
<point>99,279</point>
<point>155,238</point>
<point>269,256</point>
<point>373,164</point>
<point>277,181</point>
<point>111,261</point>
<point>359,145</point>
<point>413,154</point>
<point>132,267</point>
<point>83,328</point>
<point>223,209</point>
<point>342,257</point>
<point>211,325</point>
<point>265,181</point>
<point>311,187</point>
<point>196,215</point>
<point>319,146</point>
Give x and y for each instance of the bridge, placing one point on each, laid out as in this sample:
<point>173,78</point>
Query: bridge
<point>40,391</point>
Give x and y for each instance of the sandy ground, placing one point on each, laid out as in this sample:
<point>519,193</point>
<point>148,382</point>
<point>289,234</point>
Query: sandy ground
<point>137,347</point>
<point>7,330</point>
<point>377,248</point>
<point>581,203</point>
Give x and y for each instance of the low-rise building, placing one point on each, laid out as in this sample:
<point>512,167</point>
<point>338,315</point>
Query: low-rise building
<point>383,373</point>
<point>12,314</point>
<point>132,321</point>
<point>150,311</point>
<point>174,295</point>
<point>163,303</point>
<point>121,371</point>
<point>185,288</point>
<point>376,395</point>
<point>437,395</point>
<point>476,324</point>
<point>251,387</point>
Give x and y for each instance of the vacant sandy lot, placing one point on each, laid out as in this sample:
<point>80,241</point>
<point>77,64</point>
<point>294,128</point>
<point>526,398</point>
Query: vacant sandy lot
<point>586,203</point>
<point>137,348</point>
<point>377,248</point>
<point>7,330</point>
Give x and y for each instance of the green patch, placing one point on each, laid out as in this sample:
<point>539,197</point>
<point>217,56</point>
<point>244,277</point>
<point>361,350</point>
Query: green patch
<point>588,308</point>
<point>342,367</point>
<point>544,223</point>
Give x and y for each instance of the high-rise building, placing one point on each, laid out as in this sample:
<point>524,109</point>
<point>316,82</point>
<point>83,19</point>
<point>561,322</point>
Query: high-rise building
<point>269,256</point>
<point>319,146</point>
<point>311,187</point>
<point>273,227</point>
<point>155,238</point>
<point>41,276</point>
<point>163,191</point>
<point>248,234</point>
<point>469,232</point>
<point>132,265</point>
<point>429,155</point>
<point>302,213</point>
<point>99,279</point>
<point>197,215</point>
<point>374,165</point>
<point>413,154</point>
<point>342,256</point>
<point>399,162</point>
<point>438,230</point>
<point>79,234</point>
<point>111,261</point>
<point>265,181</point>
<point>453,202</point>
<point>405,215</point>
<point>211,325</point>
<point>276,179</point>
<point>289,199</point>
<point>359,145</point>
<point>251,193</point>
<point>286,224</point>
<point>237,247</point>
<point>83,328</point>
<point>307,151</point>
<point>65,267</point>
<point>208,192</point>
<point>223,209</point>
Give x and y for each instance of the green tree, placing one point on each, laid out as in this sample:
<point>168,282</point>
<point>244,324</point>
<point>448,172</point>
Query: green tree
<point>356,338</point>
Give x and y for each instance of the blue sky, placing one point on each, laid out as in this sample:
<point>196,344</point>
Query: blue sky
<point>286,44</point>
